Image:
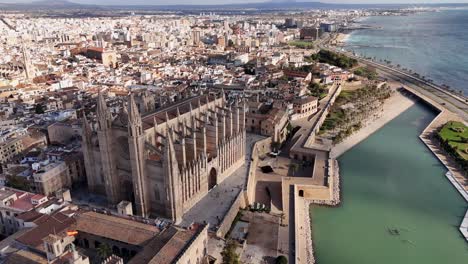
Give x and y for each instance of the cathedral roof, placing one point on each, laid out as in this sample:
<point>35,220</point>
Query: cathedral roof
<point>183,107</point>
<point>121,120</point>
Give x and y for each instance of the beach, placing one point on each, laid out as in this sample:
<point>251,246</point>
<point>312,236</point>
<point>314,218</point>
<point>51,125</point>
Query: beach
<point>341,38</point>
<point>392,107</point>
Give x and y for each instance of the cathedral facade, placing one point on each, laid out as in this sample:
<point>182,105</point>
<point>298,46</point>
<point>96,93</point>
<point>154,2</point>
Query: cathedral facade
<point>167,160</point>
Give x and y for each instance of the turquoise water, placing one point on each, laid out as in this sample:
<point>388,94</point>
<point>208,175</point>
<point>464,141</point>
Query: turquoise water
<point>391,180</point>
<point>432,44</point>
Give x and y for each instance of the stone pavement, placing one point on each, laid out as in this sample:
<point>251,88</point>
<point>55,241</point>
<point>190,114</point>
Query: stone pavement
<point>262,238</point>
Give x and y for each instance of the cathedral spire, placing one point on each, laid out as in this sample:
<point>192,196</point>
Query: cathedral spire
<point>86,129</point>
<point>134,118</point>
<point>155,123</point>
<point>27,63</point>
<point>103,114</point>
<point>170,166</point>
<point>167,117</point>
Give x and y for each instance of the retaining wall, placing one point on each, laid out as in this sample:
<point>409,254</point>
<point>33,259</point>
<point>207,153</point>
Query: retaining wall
<point>229,217</point>
<point>260,148</point>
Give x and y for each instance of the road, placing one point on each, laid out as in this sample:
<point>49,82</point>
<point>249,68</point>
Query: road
<point>453,102</point>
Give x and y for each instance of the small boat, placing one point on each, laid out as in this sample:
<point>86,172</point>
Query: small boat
<point>393,231</point>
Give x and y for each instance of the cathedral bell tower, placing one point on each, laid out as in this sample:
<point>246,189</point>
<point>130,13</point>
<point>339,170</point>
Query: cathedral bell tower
<point>106,144</point>
<point>136,143</point>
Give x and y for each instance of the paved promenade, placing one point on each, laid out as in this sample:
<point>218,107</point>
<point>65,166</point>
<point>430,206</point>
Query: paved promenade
<point>303,237</point>
<point>304,251</point>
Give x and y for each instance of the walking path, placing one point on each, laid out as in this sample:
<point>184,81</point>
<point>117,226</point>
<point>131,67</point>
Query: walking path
<point>303,224</point>
<point>303,239</point>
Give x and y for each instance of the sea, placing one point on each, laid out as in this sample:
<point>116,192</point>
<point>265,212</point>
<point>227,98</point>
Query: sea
<point>392,181</point>
<point>433,44</point>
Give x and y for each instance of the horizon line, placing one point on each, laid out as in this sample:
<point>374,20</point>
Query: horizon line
<point>241,3</point>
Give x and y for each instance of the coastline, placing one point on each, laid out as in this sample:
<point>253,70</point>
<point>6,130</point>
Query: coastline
<point>392,108</point>
<point>373,45</point>
<point>342,38</point>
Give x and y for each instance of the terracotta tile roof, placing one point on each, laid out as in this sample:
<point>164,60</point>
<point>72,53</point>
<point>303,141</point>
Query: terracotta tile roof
<point>305,100</point>
<point>172,249</point>
<point>117,228</point>
<point>154,246</point>
<point>166,247</point>
<point>46,224</point>
<point>29,216</point>
<point>96,49</point>
<point>25,257</point>
<point>23,202</point>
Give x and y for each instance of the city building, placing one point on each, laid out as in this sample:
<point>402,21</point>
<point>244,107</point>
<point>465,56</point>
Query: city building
<point>304,107</point>
<point>51,177</point>
<point>310,33</point>
<point>9,149</point>
<point>264,119</point>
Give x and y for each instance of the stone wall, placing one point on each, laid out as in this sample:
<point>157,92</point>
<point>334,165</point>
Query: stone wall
<point>194,253</point>
<point>261,147</point>
<point>323,115</point>
<point>229,217</point>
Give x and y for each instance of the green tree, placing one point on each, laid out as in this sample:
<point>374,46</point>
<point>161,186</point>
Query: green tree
<point>342,61</point>
<point>293,167</point>
<point>367,72</point>
<point>229,253</point>
<point>104,251</point>
<point>18,182</point>
<point>281,260</point>
<point>317,90</point>
<point>39,109</point>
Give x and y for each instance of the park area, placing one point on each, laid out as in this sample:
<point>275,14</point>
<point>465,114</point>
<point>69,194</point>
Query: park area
<point>454,137</point>
<point>301,44</point>
<point>352,109</point>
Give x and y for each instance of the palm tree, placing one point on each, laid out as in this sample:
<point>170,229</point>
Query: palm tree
<point>293,167</point>
<point>104,251</point>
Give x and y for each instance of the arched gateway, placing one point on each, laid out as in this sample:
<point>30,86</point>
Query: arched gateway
<point>212,178</point>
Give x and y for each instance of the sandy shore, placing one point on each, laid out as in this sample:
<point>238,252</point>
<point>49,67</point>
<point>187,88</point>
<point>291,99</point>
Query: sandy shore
<point>393,107</point>
<point>341,38</point>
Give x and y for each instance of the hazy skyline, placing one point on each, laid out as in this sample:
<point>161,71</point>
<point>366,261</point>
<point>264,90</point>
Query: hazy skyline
<point>212,2</point>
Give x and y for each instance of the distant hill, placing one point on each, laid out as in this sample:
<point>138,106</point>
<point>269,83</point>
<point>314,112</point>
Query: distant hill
<point>54,3</point>
<point>268,5</point>
<point>45,4</point>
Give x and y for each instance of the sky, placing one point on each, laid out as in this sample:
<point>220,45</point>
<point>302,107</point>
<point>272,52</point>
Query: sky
<point>172,2</point>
